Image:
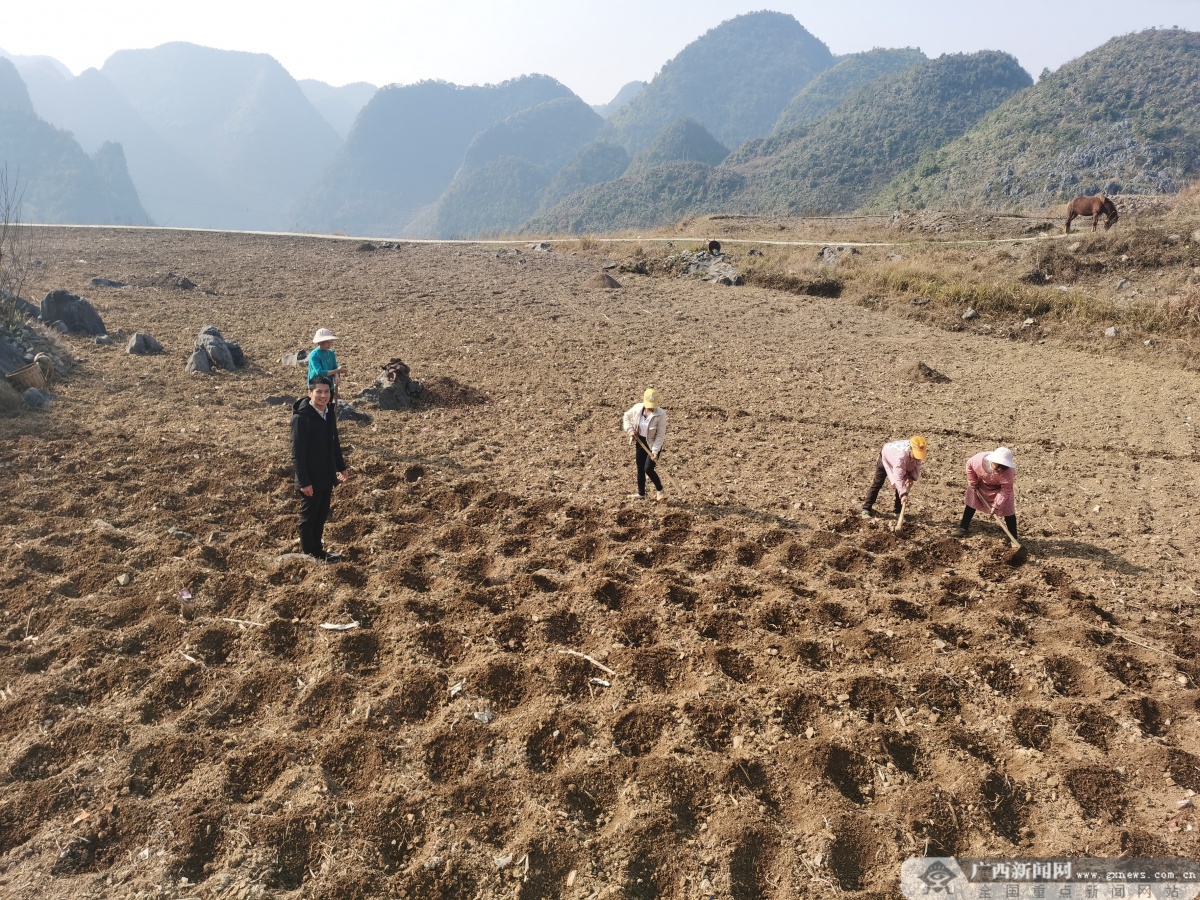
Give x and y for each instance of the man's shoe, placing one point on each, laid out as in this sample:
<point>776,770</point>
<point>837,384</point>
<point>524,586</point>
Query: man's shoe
<point>658,495</point>
<point>635,497</point>
<point>959,532</point>
<point>332,556</point>
<point>865,514</point>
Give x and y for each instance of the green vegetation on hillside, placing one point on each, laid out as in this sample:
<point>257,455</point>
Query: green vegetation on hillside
<point>500,196</point>
<point>546,135</point>
<point>828,89</point>
<point>1123,118</point>
<point>839,162</point>
<point>507,169</point>
<point>684,140</point>
<point>593,164</point>
<point>646,199</point>
<point>734,79</point>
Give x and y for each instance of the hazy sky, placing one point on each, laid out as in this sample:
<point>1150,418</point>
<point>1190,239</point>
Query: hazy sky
<point>592,47</point>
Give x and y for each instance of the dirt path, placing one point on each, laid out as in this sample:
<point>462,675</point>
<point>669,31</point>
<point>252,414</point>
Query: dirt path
<point>802,699</point>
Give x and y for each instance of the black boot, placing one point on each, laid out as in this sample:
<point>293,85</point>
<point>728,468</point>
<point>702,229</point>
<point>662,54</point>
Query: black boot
<point>308,540</point>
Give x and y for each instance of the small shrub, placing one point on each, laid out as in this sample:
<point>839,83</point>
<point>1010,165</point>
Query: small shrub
<point>10,400</point>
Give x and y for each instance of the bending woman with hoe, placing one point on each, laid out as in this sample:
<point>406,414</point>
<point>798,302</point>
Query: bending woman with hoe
<point>646,425</point>
<point>900,463</point>
<point>991,478</point>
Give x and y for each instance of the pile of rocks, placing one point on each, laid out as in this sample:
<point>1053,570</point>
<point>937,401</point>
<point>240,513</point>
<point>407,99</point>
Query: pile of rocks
<point>393,388</point>
<point>706,266</point>
<point>212,351</point>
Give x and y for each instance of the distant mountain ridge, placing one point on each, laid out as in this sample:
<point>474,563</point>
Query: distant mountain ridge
<point>339,106</point>
<point>828,89</point>
<point>405,148</point>
<point>753,116</point>
<point>1124,117</point>
<point>239,117</point>
<point>624,97</point>
<point>173,188</point>
<point>833,165</point>
<point>507,168</point>
<point>54,179</point>
<point>735,79</point>
<point>877,132</point>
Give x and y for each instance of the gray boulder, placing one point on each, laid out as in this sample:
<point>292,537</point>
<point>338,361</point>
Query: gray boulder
<point>107,282</point>
<point>211,342</point>
<point>235,351</point>
<point>36,399</point>
<point>294,359</point>
<point>199,362</point>
<point>104,341</point>
<point>142,344</point>
<point>79,316</point>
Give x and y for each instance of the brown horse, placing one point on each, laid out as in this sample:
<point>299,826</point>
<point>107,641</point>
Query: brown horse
<point>1094,207</point>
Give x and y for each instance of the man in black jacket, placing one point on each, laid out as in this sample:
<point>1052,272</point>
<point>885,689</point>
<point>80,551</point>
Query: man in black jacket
<point>317,458</point>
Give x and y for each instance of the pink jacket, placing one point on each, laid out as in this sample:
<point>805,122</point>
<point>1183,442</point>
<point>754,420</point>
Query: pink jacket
<point>899,464</point>
<point>993,489</point>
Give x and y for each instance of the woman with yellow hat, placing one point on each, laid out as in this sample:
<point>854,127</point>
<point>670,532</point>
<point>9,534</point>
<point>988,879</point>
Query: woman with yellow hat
<point>900,463</point>
<point>646,425</point>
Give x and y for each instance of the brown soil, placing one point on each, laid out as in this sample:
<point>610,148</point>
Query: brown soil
<point>802,698</point>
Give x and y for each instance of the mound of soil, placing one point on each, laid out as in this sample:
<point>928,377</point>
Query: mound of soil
<point>920,372</point>
<point>603,280</point>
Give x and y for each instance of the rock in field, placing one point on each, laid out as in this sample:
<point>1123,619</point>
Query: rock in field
<point>79,316</point>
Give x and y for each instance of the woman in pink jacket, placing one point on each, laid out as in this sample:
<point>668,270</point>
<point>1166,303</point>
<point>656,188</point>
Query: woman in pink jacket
<point>900,463</point>
<point>990,482</point>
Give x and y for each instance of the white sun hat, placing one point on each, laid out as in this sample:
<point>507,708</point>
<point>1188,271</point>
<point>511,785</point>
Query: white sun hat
<point>324,334</point>
<point>1001,456</point>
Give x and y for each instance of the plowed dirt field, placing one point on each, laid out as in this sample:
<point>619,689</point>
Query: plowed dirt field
<point>745,691</point>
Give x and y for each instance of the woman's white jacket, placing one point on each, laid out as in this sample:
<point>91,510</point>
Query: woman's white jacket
<point>656,427</point>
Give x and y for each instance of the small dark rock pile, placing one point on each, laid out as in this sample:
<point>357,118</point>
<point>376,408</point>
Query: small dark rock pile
<point>394,388</point>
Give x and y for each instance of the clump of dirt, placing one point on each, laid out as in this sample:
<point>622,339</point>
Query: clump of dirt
<point>919,373</point>
<point>604,281</point>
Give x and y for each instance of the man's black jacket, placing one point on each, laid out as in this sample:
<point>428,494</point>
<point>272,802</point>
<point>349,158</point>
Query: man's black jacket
<point>316,449</point>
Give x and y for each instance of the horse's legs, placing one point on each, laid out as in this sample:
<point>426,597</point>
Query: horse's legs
<point>1070,218</point>
<point>1095,220</point>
